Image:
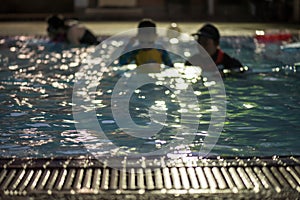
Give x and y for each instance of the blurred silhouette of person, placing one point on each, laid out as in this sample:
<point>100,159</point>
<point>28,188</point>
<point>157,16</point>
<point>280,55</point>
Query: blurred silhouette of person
<point>70,31</point>
<point>147,51</point>
<point>173,31</point>
<point>208,37</point>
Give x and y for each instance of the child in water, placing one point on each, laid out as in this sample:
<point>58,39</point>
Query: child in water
<point>146,51</point>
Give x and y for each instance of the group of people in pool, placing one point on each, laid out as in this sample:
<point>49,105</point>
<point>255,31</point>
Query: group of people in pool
<point>208,36</point>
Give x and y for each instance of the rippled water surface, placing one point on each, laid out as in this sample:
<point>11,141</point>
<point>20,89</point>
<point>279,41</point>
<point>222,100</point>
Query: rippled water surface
<point>37,80</point>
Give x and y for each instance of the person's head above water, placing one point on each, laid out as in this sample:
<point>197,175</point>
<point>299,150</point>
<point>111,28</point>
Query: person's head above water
<point>56,28</point>
<point>208,37</point>
<point>56,21</point>
<point>146,23</point>
<point>208,31</point>
<point>146,31</point>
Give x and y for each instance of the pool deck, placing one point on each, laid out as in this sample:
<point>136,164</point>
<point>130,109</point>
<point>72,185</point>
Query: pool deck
<point>110,28</point>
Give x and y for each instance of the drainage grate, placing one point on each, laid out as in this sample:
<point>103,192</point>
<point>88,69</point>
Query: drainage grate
<point>189,176</point>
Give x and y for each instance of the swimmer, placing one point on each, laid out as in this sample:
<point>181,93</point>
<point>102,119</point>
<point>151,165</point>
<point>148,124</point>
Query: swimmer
<point>61,30</point>
<point>208,37</point>
<point>145,37</point>
<point>173,31</point>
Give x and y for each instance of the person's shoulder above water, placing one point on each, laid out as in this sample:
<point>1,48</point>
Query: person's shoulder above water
<point>78,34</point>
<point>227,62</point>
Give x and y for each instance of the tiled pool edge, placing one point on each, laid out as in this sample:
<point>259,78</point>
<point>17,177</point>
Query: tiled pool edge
<point>185,178</point>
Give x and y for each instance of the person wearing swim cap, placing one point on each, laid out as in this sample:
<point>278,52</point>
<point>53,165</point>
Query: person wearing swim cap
<point>208,37</point>
<point>61,30</point>
<point>146,51</point>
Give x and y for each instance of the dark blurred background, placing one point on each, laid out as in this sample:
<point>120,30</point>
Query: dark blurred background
<point>164,10</point>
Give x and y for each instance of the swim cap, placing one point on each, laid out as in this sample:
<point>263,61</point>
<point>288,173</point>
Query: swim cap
<point>146,23</point>
<point>209,31</point>
<point>149,24</point>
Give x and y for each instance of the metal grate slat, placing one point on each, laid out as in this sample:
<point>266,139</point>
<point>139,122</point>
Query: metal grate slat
<point>294,174</point>
<point>114,179</point>
<point>167,178</point>
<point>105,179</point>
<point>17,179</point>
<point>175,178</point>
<point>96,179</point>
<point>43,179</point>
<point>219,178</point>
<point>25,181</point>
<point>228,178</point>
<point>193,177</point>
<point>52,179</point>
<point>78,179</point>
<point>131,179</point>
<point>61,179</point>
<point>34,180</point>
<point>158,178</point>
<point>69,179</point>
<point>86,184</point>
<point>2,175</point>
<point>263,179</point>
<point>123,178</point>
<point>140,178</point>
<point>246,181</point>
<point>282,181</point>
<point>8,179</point>
<point>271,178</point>
<point>149,179</point>
<point>210,178</point>
<point>254,179</point>
<point>184,178</point>
<point>288,177</point>
<point>201,178</point>
<point>236,178</point>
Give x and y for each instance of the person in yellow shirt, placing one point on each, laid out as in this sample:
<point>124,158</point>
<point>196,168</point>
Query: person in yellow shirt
<point>146,51</point>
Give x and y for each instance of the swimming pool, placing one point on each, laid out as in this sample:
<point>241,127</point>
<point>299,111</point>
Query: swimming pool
<point>37,80</point>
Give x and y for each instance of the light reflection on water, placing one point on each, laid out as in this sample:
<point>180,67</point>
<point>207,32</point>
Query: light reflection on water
<point>36,102</point>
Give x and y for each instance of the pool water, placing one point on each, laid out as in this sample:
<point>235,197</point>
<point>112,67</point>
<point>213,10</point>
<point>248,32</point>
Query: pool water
<point>37,79</point>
